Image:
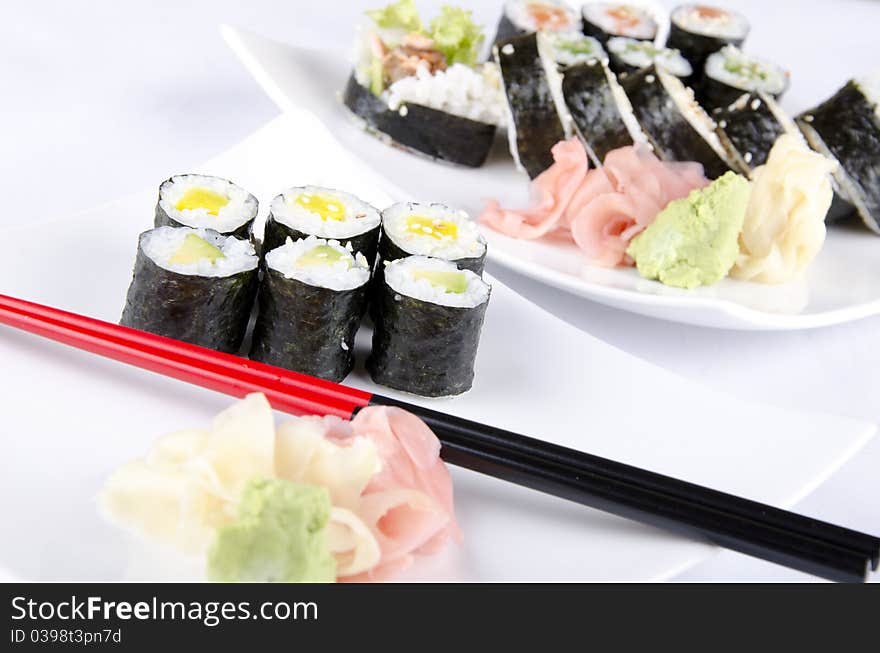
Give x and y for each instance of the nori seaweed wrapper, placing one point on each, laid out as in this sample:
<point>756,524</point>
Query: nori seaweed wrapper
<point>669,132</point>
<point>424,348</point>
<point>277,233</point>
<point>391,251</point>
<point>302,327</point>
<point>506,29</point>
<point>211,312</point>
<point>536,123</point>
<point>713,93</point>
<point>421,129</point>
<point>593,108</point>
<point>696,48</point>
<point>847,126</point>
<point>243,232</point>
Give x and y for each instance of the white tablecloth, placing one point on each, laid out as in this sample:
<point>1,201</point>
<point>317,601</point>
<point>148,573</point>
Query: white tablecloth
<point>102,98</point>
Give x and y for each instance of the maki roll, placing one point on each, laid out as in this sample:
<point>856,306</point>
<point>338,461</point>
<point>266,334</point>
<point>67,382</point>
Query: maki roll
<point>427,327</point>
<point>570,49</point>
<point>846,127</point>
<point>204,202</point>
<point>600,111</point>
<point>435,230</point>
<point>676,126</point>
<point>324,213</point>
<point>605,20</point>
<point>751,125</point>
<point>628,55</point>
<point>520,17</point>
<point>194,285</point>
<point>729,73</point>
<point>420,88</point>
<point>311,300</point>
<point>536,120</point>
<point>699,30</point>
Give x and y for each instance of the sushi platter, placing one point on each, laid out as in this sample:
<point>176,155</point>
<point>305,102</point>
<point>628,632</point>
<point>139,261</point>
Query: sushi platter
<point>118,411</point>
<point>733,128</point>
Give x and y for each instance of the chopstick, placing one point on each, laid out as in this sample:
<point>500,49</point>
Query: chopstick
<point>750,527</point>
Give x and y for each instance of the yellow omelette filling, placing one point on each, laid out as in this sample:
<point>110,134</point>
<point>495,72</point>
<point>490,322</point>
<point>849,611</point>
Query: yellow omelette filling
<point>424,226</point>
<point>329,208</point>
<point>202,198</point>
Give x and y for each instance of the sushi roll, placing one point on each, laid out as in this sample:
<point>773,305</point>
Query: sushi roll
<point>425,95</point>
<point>435,230</point>
<point>194,285</point>
<point>676,126</point>
<point>324,213</point>
<point>605,20</point>
<point>570,49</point>
<point>699,30</point>
<point>427,327</point>
<point>204,202</point>
<point>600,112</point>
<point>729,73</point>
<point>536,119</point>
<point>311,300</point>
<point>846,127</point>
<point>520,17</point>
<point>628,55</point>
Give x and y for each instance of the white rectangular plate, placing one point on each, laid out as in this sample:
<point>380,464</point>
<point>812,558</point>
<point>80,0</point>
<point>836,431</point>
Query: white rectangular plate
<point>70,418</point>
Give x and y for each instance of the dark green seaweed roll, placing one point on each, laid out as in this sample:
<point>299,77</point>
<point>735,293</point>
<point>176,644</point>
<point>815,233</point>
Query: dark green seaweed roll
<point>435,230</point>
<point>427,327</point>
<point>730,72</point>
<point>520,17</point>
<point>194,285</point>
<point>600,112</point>
<point>535,122</point>
<point>628,55</point>
<point>204,202</point>
<point>324,213</point>
<point>677,127</point>
<point>605,20</point>
<point>846,127</point>
<point>311,300</point>
<point>699,30</point>
<point>414,126</point>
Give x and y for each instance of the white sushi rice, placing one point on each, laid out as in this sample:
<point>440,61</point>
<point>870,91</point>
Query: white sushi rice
<point>359,217</point>
<point>603,15</point>
<point>241,208</point>
<point>473,93</point>
<point>718,23</point>
<point>469,243</point>
<point>348,273</point>
<point>733,67</point>
<point>687,105</point>
<point>570,49</point>
<point>399,277</point>
<point>519,13</point>
<point>644,53</point>
<point>160,245</point>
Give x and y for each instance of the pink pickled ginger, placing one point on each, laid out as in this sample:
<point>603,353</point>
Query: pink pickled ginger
<point>601,209</point>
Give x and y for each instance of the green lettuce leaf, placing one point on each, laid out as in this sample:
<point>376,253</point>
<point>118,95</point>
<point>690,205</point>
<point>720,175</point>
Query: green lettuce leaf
<point>456,35</point>
<point>399,15</point>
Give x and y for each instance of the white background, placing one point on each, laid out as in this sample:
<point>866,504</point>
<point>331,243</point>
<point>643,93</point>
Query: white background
<point>101,98</point>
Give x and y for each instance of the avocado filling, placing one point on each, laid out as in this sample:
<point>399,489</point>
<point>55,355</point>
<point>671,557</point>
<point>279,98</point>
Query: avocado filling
<point>424,226</point>
<point>328,208</point>
<point>194,249</point>
<point>322,255</point>
<point>454,282</point>
<point>202,198</point>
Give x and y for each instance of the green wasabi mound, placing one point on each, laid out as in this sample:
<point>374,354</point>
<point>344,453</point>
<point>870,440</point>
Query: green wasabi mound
<point>694,240</point>
<point>277,537</point>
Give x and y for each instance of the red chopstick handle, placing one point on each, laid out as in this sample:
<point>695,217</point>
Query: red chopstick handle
<point>286,391</point>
